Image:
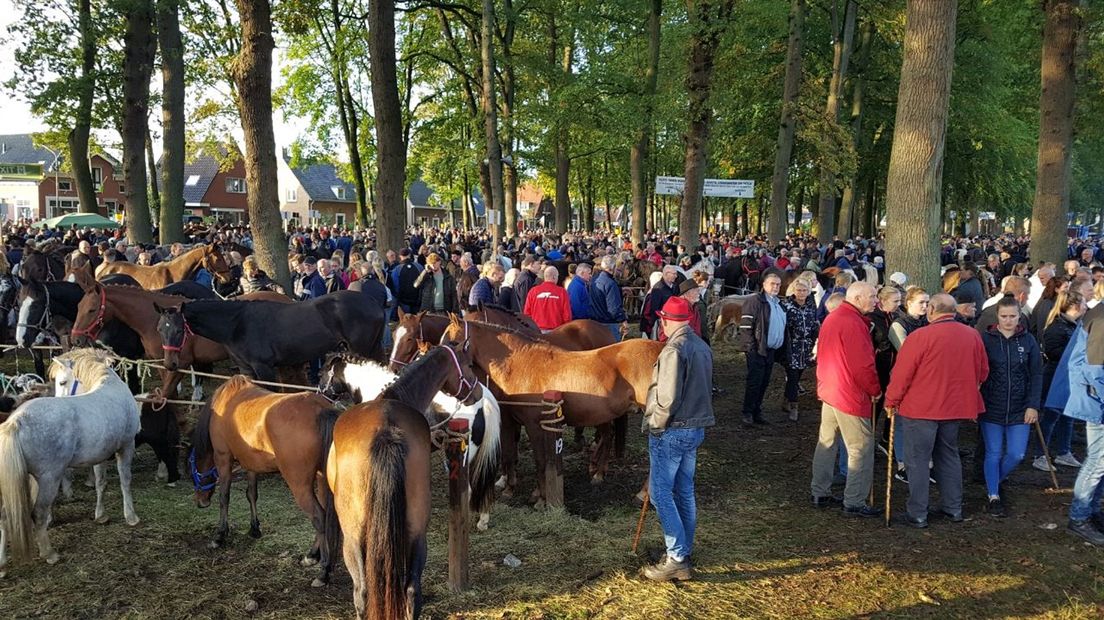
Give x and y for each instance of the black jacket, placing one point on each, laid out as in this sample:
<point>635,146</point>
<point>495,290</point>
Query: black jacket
<point>752,333</point>
<point>885,354</point>
<point>1055,338</point>
<point>524,281</point>
<point>658,296</point>
<point>372,288</point>
<point>1015,381</point>
<point>426,285</point>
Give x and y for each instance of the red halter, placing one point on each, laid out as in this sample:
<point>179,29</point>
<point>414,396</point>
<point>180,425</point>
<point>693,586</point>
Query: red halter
<point>96,325</point>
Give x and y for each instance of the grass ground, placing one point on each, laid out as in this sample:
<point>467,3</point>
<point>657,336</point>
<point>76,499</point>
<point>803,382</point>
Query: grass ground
<point>761,551</point>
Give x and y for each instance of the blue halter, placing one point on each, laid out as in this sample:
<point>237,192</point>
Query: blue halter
<point>198,477</point>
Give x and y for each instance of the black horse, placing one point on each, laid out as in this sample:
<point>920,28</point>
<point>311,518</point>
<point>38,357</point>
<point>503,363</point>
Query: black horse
<point>261,335</point>
<point>44,266</point>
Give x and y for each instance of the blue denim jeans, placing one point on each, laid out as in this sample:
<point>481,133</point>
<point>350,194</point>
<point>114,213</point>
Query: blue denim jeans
<point>1089,487</point>
<point>1058,431</point>
<point>674,456</point>
<point>1004,450</point>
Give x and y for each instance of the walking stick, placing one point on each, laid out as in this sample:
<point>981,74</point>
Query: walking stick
<point>1046,453</point>
<point>889,464</point>
<point>640,521</point>
<point>874,436</point>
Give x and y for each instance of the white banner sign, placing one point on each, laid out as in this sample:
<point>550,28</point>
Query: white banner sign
<point>719,188</point>
<point>987,215</point>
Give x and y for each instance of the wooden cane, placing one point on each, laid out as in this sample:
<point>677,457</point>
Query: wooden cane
<point>640,521</point>
<point>889,464</point>
<point>874,437</point>
<point>1046,453</point>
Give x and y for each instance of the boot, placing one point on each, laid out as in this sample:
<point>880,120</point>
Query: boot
<point>792,408</point>
<point>668,570</point>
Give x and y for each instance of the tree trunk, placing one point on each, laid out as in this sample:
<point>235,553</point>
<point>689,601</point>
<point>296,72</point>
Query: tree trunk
<point>840,57</point>
<point>744,218</point>
<point>172,121</point>
<point>151,171</point>
<point>138,51</point>
<point>252,73</point>
<point>563,136</point>
<point>780,181</point>
<point>798,206</point>
<point>509,96</point>
<point>708,20</point>
<point>78,136</point>
<point>490,117</point>
<point>868,208</point>
<point>390,152</point>
<point>847,208</point>
<point>465,202</point>
<point>914,182</point>
<point>1049,216</point>
<point>638,155</point>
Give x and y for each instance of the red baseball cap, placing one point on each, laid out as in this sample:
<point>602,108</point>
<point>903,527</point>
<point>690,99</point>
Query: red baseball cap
<point>676,309</point>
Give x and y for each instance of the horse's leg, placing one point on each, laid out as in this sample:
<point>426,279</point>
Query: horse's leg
<point>39,364</point>
<point>580,439</point>
<point>166,454</point>
<point>99,470</point>
<point>3,546</point>
<point>599,457</point>
<point>417,565</point>
<point>264,372</point>
<point>225,473</point>
<point>620,431</point>
<point>353,549</point>
<point>251,495</point>
<point>302,490</point>
<point>66,486</point>
<point>123,459</point>
<point>540,458</point>
<point>509,446</point>
<point>48,485</point>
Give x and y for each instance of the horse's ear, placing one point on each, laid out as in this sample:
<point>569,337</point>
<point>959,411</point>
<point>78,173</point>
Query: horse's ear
<point>423,347</point>
<point>453,319</point>
<point>158,308</point>
<point>401,313</point>
<point>86,282</point>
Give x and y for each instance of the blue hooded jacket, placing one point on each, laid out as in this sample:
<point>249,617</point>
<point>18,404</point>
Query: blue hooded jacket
<point>1077,386</point>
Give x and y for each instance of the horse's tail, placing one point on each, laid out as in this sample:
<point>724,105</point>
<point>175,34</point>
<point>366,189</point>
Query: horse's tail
<point>15,491</point>
<point>485,462</point>
<point>386,561</point>
<point>331,528</point>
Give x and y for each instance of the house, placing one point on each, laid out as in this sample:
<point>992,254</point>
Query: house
<point>314,194</point>
<point>425,208</point>
<point>528,197</point>
<point>214,187</point>
<point>34,185</point>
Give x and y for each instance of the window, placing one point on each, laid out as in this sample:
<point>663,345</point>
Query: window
<point>235,186</point>
<point>339,219</point>
<point>192,181</point>
<point>339,191</point>
<point>122,189</point>
<point>97,178</point>
<point>293,194</point>
<point>65,186</point>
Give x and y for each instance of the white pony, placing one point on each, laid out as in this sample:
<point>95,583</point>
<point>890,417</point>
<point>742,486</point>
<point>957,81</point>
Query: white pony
<point>46,435</point>
<point>366,380</point>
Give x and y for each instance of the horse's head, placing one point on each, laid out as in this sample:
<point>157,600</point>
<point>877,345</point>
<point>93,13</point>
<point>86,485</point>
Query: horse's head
<point>204,476</point>
<point>92,313</point>
<point>174,331</point>
<point>331,380</point>
<point>34,313</point>
<point>65,380</point>
<point>216,264</point>
<point>76,262</point>
<point>407,335</point>
<point>79,371</point>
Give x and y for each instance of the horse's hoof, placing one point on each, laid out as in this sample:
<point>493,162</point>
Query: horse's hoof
<point>3,574</point>
<point>308,561</point>
<point>539,504</point>
<point>484,522</point>
<point>171,485</point>
<point>133,520</point>
<point>597,480</point>
<point>102,520</point>
<point>53,558</point>
<point>318,583</point>
<point>162,472</point>
<point>500,484</point>
<point>214,544</point>
<point>254,532</point>
<point>506,492</point>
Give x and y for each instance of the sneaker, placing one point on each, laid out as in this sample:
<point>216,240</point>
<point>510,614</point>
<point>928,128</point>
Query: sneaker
<point>826,501</point>
<point>902,475</point>
<point>1086,530</point>
<point>668,570</point>
<point>1067,460</point>
<point>995,508</point>
<point>791,408</point>
<point>1041,464</point>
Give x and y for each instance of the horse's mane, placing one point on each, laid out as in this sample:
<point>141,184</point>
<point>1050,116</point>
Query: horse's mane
<point>504,329</point>
<point>493,306</point>
<point>405,387</point>
<point>130,288</point>
<point>90,366</point>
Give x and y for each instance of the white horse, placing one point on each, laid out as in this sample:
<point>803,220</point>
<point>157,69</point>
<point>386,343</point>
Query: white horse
<point>366,380</point>
<point>46,435</point>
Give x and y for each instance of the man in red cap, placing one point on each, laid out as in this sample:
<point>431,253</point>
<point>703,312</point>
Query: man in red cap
<point>679,408</point>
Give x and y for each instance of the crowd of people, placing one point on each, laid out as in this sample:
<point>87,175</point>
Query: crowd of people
<point>997,343</point>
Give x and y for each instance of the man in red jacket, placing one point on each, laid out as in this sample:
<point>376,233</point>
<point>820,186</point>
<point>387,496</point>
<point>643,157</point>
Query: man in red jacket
<point>847,384</point>
<point>933,388</point>
<point>547,303</point>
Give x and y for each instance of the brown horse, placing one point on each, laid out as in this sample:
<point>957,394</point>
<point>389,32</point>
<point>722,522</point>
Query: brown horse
<point>264,432</point>
<point>598,386</point>
<point>379,472</point>
<point>577,335</point>
<point>183,267</point>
